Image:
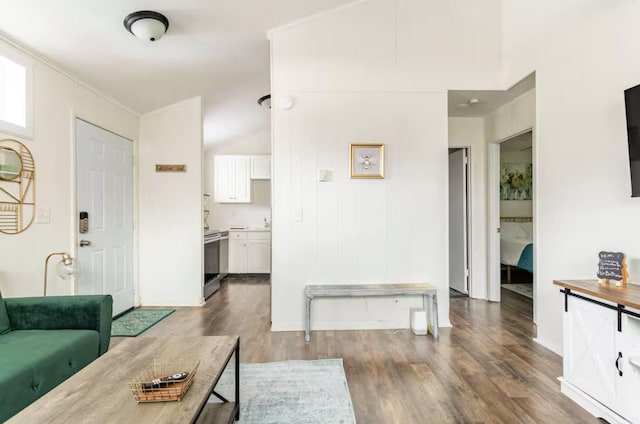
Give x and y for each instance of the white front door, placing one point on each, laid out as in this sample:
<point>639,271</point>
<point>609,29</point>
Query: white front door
<point>458,260</point>
<point>104,172</point>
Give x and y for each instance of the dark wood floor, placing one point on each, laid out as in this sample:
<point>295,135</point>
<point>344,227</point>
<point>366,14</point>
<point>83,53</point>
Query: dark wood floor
<point>486,369</point>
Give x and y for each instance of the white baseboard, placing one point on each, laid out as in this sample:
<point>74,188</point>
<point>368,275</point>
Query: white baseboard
<point>594,407</point>
<point>553,347</point>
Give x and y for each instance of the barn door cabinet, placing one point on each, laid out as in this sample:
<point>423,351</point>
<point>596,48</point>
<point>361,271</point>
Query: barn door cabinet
<point>601,349</point>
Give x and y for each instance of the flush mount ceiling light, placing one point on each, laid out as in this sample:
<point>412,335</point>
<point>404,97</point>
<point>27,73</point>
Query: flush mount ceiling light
<point>265,101</point>
<point>146,25</point>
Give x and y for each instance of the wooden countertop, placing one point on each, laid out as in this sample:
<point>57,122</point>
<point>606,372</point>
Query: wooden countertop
<point>628,295</point>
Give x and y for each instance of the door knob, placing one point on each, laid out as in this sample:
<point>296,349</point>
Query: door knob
<point>84,243</point>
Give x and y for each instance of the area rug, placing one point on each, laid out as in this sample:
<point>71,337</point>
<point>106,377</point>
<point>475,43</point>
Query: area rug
<point>137,321</point>
<point>291,392</point>
<point>525,289</point>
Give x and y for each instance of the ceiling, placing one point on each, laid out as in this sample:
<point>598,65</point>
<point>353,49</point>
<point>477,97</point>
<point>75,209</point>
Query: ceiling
<point>488,101</point>
<point>217,49</point>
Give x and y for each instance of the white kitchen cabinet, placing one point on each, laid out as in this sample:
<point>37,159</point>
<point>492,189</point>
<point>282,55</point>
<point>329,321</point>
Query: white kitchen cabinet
<point>261,167</point>
<point>601,365</point>
<point>249,252</point>
<point>237,256</point>
<point>232,182</point>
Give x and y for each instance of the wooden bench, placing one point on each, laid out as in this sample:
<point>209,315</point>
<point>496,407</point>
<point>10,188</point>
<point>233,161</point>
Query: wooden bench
<point>427,291</point>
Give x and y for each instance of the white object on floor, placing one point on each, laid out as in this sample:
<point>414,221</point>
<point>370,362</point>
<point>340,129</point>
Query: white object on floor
<point>418,321</point>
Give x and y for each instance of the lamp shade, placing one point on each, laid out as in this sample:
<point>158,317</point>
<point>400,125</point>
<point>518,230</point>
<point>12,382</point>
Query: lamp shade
<point>66,268</point>
<point>146,25</point>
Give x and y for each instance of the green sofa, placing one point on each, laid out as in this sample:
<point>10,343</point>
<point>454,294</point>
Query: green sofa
<point>45,340</point>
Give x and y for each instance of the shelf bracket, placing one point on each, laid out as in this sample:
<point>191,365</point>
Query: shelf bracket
<point>620,312</point>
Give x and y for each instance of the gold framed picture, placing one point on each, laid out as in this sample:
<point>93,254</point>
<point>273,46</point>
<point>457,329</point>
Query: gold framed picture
<point>366,160</point>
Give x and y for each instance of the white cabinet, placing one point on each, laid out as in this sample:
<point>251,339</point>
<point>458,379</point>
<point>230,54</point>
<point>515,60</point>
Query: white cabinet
<point>232,183</point>
<point>590,349</point>
<point>249,252</point>
<point>599,362</point>
<point>237,256</point>
<point>629,384</point>
<point>261,167</point>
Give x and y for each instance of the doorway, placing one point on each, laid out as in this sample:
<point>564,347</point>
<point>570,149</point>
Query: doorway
<point>459,221</point>
<point>513,161</point>
<point>104,195</point>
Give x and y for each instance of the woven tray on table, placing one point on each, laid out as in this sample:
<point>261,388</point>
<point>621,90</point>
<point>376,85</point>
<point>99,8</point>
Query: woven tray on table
<point>144,391</point>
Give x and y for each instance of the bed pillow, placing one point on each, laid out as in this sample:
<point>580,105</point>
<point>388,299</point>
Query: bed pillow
<point>527,227</point>
<point>511,230</point>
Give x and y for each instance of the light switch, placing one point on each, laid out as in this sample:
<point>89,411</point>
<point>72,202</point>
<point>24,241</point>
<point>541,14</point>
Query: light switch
<point>324,175</point>
<point>43,216</point>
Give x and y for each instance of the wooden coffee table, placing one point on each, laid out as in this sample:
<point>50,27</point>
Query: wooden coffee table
<point>99,393</point>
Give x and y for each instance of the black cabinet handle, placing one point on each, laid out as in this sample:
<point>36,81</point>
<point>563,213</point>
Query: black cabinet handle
<point>618,363</point>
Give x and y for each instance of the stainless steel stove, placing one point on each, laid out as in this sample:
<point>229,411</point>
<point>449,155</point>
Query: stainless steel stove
<point>216,254</point>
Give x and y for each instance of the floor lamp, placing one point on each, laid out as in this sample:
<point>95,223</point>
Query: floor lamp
<point>66,268</point>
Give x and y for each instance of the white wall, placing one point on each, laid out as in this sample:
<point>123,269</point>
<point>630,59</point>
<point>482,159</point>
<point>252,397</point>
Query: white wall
<point>470,132</point>
<point>57,98</point>
<point>170,212</point>
<point>583,61</point>
<point>224,215</point>
<point>374,72</point>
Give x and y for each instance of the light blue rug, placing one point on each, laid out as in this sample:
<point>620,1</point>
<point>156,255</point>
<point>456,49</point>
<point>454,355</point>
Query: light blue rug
<point>291,392</point>
<point>525,289</point>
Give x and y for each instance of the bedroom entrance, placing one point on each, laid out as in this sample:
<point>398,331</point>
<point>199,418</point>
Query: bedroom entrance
<point>516,196</point>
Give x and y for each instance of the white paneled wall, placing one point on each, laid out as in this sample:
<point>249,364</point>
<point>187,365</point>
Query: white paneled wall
<point>356,231</point>
<point>372,72</point>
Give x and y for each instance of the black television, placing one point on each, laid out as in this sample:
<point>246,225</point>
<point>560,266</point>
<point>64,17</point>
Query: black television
<point>632,105</point>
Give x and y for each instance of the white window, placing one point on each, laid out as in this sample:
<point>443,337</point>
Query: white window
<point>16,111</point>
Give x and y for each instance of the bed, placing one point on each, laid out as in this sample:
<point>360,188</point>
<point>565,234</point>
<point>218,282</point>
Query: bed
<point>516,244</point>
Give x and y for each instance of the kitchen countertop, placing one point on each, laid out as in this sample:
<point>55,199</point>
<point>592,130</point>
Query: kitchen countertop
<point>263,229</point>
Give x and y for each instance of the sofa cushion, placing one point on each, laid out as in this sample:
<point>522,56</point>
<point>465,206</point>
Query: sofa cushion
<point>5,324</point>
<point>32,362</point>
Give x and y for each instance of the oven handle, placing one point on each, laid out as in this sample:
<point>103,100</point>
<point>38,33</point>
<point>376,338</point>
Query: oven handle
<point>209,241</point>
<point>224,238</point>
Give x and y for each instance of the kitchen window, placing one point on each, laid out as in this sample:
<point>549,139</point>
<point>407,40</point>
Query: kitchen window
<point>16,87</point>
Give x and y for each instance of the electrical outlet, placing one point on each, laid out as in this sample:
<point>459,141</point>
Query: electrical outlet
<point>43,216</point>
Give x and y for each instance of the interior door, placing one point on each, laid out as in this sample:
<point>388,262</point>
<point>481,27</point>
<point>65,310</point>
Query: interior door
<point>104,166</point>
<point>458,258</point>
